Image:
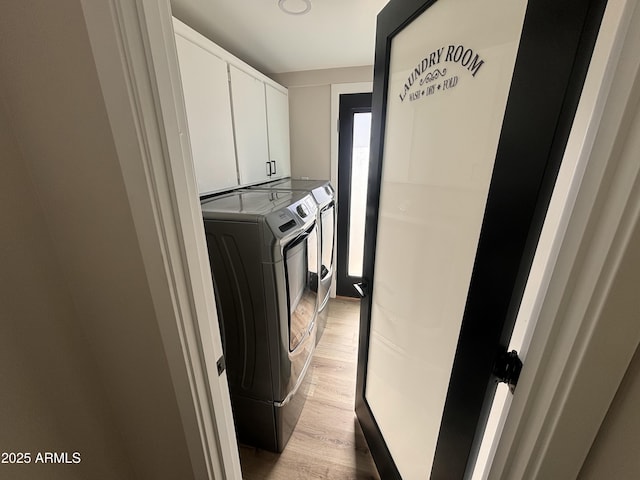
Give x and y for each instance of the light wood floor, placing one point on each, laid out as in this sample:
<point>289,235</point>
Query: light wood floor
<point>327,443</point>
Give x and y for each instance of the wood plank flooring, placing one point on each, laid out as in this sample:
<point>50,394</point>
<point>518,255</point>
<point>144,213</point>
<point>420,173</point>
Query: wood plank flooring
<point>327,443</point>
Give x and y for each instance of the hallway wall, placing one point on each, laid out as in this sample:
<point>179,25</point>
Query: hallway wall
<point>614,453</point>
<point>51,397</point>
<point>85,368</point>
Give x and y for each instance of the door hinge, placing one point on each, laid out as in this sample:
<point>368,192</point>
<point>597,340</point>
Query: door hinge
<point>221,365</point>
<point>507,368</point>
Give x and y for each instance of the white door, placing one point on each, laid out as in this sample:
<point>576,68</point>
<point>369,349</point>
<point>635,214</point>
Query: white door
<point>470,119</point>
<point>278,130</point>
<point>205,85</point>
<point>250,125</point>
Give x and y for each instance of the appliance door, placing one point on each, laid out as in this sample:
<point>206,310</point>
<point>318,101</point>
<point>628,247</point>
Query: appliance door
<point>327,219</point>
<point>301,265</point>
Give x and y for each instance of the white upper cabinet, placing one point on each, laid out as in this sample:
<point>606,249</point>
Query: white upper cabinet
<point>238,118</point>
<point>207,101</point>
<point>278,131</point>
<point>250,126</point>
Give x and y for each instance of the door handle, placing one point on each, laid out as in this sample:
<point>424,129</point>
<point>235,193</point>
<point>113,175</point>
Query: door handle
<point>268,169</point>
<point>362,288</point>
<point>274,167</point>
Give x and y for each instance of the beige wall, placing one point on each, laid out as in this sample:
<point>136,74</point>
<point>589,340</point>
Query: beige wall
<point>83,365</point>
<point>310,116</point>
<point>50,397</point>
<point>616,450</point>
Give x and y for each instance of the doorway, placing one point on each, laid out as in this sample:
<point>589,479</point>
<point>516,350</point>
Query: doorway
<point>353,167</point>
<point>224,444</point>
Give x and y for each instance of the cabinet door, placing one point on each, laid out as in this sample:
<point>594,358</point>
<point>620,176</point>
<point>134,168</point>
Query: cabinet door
<point>278,130</point>
<point>250,124</point>
<point>207,101</point>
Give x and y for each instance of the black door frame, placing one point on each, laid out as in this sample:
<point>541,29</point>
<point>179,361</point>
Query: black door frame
<point>350,104</point>
<point>553,58</point>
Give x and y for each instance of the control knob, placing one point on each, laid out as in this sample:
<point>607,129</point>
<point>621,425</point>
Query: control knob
<point>302,211</point>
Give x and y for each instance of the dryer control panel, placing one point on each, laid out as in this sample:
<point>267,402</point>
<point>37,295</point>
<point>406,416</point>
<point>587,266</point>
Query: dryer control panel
<point>323,195</point>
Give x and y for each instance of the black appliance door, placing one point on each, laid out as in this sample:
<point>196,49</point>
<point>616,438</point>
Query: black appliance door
<point>301,266</point>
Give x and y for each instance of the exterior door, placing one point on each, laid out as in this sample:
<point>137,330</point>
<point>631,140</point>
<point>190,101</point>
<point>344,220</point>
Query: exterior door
<point>472,106</point>
<point>353,165</point>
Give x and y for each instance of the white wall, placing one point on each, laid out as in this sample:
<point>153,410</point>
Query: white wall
<point>310,116</point>
<point>82,336</point>
<point>615,450</point>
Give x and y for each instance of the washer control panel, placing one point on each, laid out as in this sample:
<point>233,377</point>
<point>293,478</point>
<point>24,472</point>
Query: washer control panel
<point>302,210</point>
<point>298,214</point>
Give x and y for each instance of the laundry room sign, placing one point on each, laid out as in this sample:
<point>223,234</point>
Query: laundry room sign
<point>433,74</point>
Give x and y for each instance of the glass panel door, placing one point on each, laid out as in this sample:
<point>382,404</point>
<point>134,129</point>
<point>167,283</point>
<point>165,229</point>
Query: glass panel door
<point>358,192</point>
<point>353,173</point>
<point>441,139</point>
<point>470,122</point>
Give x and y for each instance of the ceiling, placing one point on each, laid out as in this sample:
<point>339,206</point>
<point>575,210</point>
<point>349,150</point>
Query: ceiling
<point>335,33</point>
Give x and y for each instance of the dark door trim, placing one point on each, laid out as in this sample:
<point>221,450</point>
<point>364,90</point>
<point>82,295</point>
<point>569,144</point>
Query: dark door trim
<point>553,58</point>
<point>350,104</point>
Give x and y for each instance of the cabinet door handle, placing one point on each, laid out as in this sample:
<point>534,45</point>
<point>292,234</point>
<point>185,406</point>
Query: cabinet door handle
<point>274,167</point>
<point>269,169</point>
